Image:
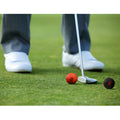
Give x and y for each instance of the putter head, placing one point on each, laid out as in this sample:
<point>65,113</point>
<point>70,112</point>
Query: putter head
<point>87,80</point>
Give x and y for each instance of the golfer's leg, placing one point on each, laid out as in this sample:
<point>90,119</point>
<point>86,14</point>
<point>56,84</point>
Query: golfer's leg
<point>15,33</point>
<point>69,57</point>
<point>69,33</point>
<point>15,42</point>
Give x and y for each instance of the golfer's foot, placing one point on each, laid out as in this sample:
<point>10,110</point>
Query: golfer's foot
<point>89,62</point>
<point>17,62</point>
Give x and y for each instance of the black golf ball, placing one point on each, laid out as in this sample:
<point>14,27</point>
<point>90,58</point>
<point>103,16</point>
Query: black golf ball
<point>109,83</point>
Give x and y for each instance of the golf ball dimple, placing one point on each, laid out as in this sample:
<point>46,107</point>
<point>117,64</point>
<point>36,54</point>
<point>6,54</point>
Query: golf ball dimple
<point>71,78</point>
<point>109,83</point>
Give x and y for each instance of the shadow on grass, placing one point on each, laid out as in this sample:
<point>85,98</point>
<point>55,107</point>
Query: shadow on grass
<point>95,70</point>
<point>47,70</point>
<point>112,71</point>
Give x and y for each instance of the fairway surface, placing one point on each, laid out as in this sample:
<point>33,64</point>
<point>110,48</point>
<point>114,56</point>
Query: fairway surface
<point>46,85</point>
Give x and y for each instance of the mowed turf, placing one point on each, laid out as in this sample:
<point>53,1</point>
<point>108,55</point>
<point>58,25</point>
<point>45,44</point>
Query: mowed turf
<point>46,85</point>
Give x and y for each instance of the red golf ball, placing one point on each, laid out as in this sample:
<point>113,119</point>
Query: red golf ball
<point>71,78</point>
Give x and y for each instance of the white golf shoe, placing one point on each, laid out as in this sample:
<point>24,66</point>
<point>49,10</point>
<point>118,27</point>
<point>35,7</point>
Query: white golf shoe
<point>17,62</point>
<point>89,62</point>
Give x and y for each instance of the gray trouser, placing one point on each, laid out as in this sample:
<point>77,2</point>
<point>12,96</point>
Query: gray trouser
<point>16,33</point>
<point>69,33</point>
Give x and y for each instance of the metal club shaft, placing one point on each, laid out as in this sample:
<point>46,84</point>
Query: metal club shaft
<point>79,44</point>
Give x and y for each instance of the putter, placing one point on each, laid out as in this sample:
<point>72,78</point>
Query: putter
<point>83,79</point>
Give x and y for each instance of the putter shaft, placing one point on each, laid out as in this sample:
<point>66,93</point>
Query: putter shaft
<point>79,44</point>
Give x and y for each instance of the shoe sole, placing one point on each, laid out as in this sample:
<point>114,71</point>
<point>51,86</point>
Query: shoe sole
<point>89,69</point>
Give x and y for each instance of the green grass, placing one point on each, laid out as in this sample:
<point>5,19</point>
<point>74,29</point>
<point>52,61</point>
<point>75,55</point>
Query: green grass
<point>46,85</point>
